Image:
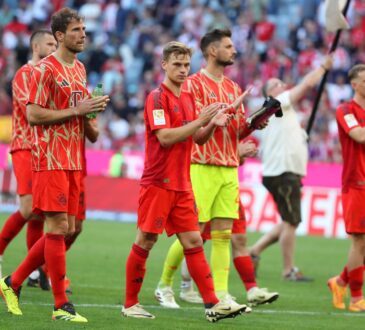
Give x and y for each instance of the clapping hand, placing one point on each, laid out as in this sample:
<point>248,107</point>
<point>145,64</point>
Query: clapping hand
<point>222,118</point>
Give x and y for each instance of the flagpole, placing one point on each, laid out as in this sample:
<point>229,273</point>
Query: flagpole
<point>324,78</point>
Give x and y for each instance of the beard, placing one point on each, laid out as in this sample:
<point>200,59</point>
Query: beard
<point>43,55</point>
<point>74,50</point>
<point>224,63</point>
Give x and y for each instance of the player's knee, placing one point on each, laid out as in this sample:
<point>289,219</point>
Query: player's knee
<point>26,205</point>
<point>26,211</point>
<point>194,241</point>
<point>146,240</point>
<point>239,241</point>
<point>58,225</point>
<point>61,229</point>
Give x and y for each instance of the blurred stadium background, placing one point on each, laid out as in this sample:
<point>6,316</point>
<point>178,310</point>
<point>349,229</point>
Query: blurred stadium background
<point>274,38</point>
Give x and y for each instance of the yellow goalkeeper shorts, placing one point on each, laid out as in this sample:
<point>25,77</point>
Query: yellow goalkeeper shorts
<point>216,191</point>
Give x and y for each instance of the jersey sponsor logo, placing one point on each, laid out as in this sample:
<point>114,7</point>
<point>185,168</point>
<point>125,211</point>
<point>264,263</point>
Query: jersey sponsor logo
<point>75,98</point>
<point>158,117</point>
<point>350,120</point>
<point>212,95</point>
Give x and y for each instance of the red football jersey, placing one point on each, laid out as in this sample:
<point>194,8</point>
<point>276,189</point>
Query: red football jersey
<point>56,85</point>
<point>350,115</point>
<point>221,149</point>
<point>168,168</point>
<point>21,136</point>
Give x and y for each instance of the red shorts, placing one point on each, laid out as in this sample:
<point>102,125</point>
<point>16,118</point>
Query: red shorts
<point>56,191</point>
<point>22,165</point>
<point>81,210</point>
<point>354,211</point>
<point>239,225</point>
<point>160,209</point>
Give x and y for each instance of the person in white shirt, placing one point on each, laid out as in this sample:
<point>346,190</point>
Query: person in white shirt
<point>284,154</point>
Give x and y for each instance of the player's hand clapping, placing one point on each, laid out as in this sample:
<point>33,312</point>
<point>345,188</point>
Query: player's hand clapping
<point>222,118</point>
<point>209,112</point>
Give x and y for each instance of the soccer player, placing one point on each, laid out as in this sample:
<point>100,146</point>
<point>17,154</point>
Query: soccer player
<point>166,199</point>
<point>240,253</point>
<point>350,118</point>
<point>284,154</point>
<point>58,100</point>
<point>214,166</point>
<point>42,44</point>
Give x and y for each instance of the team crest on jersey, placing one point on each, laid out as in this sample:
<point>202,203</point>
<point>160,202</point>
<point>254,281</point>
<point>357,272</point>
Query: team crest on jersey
<point>230,96</point>
<point>62,199</point>
<point>158,117</point>
<point>212,95</point>
<point>159,222</point>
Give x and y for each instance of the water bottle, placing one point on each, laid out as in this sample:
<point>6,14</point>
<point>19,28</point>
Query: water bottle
<point>98,91</point>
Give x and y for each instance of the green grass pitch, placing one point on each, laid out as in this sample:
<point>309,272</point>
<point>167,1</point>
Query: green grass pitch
<point>96,269</point>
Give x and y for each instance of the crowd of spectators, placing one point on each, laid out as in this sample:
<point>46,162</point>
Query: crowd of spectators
<point>274,38</point>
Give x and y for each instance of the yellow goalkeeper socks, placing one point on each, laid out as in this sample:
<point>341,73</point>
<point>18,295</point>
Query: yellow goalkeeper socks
<point>220,258</point>
<point>173,260</point>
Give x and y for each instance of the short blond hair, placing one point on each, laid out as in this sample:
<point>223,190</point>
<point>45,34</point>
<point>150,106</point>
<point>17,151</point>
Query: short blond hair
<point>355,70</point>
<point>175,47</point>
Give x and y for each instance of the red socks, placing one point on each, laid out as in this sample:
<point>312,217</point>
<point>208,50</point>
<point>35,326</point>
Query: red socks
<point>34,232</point>
<point>11,228</point>
<point>55,258</point>
<point>201,274</point>
<point>135,271</point>
<point>356,279</point>
<point>246,271</point>
<point>33,260</point>
<point>69,240</point>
